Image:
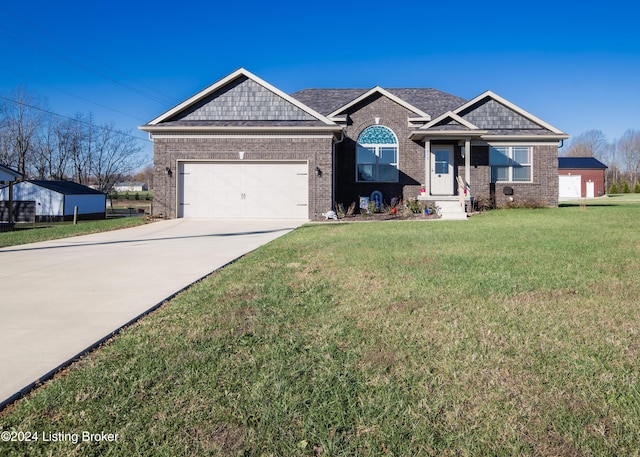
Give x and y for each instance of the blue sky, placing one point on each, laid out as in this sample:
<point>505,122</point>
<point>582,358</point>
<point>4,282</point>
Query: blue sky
<point>575,66</point>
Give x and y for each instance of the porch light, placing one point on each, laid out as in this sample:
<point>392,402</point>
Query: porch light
<point>168,171</point>
<point>318,171</point>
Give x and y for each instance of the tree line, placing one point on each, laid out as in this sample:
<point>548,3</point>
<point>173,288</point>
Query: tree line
<point>621,156</point>
<point>43,145</point>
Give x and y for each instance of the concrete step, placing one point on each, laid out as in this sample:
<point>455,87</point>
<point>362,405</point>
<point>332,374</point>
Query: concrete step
<point>451,210</point>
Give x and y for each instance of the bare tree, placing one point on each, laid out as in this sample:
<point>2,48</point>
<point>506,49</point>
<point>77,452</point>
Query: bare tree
<point>44,153</point>
<point>145,174</point>
<point>628,149</point>
<point>592,143</point>
<point>22,118</point>
<point>115,153</point>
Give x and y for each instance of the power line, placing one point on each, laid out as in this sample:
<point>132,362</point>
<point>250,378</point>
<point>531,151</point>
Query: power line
<point>26,40</point>
<point>17,102</point>
<point>22,75</point>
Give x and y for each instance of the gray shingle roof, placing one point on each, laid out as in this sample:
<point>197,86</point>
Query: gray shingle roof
<point>431,101</point>
<point>244,123</point>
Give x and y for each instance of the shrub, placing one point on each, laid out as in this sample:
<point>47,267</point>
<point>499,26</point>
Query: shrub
<point>625,188</point>
<point>613,189</point>
<point>636,188</point>
<point>352,209</point>
<point>527,202</point>
<point>414,206</point>
<point>483,202</point>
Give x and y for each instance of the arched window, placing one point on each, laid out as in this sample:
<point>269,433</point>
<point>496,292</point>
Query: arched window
<point>377,155</point>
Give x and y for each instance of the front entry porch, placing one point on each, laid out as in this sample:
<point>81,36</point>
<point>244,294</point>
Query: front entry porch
<point>447,176</point>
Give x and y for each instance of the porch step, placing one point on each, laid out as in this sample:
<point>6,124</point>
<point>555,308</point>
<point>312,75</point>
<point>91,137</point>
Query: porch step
<point>451,210</point>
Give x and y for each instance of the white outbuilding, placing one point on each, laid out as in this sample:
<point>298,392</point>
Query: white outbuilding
<point>56,200</point>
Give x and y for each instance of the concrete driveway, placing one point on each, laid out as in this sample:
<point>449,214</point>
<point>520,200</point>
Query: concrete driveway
<point>59,298</point>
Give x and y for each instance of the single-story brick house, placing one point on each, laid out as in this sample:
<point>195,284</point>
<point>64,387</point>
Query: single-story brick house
<point>243,148</point>
<point>581,177</point>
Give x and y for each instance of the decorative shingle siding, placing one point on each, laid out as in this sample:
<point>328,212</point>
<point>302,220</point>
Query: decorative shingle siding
<point>430,101</point>
<point>493,115</point>
<point>243,100</point>
<point>168,151</point>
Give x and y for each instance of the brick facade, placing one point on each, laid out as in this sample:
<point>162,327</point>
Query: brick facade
<point>242,113</point>
<point>410,153</point>
<point>169,151</point>
<point>543,189</point>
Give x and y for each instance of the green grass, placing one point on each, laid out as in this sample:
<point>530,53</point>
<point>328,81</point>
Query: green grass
<point>33,233</point>
<point>515,333</point>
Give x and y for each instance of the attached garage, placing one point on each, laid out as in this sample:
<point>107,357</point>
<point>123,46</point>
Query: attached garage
<point>243,189</point>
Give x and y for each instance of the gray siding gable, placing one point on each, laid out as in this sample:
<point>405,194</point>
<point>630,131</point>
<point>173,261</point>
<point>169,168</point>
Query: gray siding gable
<point>431,101</point>
<point>242,100</point>
<point>492,115</point>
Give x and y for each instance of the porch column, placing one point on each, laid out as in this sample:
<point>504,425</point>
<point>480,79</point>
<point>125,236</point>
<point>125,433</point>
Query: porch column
<point>467,161</point>
<point>427,170</point>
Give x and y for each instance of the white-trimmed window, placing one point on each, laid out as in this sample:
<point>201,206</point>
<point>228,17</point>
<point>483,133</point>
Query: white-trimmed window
<point>510,163</point>
<point>377,155</point>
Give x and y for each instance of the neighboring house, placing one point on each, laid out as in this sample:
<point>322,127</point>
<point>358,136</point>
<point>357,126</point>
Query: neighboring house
<point>7,208</point>
<point>8,175</point>
<point>130,187</point>
<point>56,200</point>
<point>243,148</point>
<point>581,177</point>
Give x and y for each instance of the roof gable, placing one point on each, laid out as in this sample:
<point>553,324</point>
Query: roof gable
<point>8,174</point>
<point>450,120</point>
<point>430,101</point>
<point>492,112</point>
<point>241,97</point>
<point>379,91</point>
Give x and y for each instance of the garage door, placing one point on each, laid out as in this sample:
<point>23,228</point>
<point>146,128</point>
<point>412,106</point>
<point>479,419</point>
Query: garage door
<point>569,186</point>
<point>251,190</point>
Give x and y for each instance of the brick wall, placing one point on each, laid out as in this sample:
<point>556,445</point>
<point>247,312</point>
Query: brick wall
<point>544,185</point>
<point>410,153</point>
<point>168,151</point>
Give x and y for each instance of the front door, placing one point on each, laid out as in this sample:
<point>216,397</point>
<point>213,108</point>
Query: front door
<point>441,170</point>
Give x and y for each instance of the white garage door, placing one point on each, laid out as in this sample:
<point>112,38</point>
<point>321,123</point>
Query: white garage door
<point>569,186</point>
<point>245,190</point>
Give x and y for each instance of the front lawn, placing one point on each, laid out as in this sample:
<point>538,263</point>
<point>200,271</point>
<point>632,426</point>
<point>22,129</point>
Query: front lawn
<point>514,333</point>
<point>33,233</point>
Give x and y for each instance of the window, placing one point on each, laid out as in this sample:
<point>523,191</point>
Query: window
<point>510,163</point>
<point>377,155</point>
